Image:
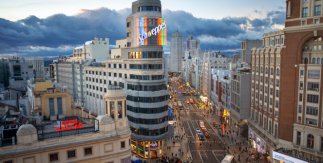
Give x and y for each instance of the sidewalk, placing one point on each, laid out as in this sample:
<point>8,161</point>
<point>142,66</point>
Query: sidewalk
<point>235,144</point>
<point>177,147</point>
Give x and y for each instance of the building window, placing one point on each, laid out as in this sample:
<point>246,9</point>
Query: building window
<point>310,141</point>
<point>312,98</point>
<point>8,161</point>
<point>87,151</point>
<point>317,10</point>
<point>51,107</point>
<point>299,108</point>
<point>305,12</point>
<point>312,122</point>
<point>298,138</point>
<point>71,154</point>
<point>313,86</point>
<point>53,157</point>
<point>311,110</point>
<point>314,74</point>
<point>60,105</point>
<point>300,97</point>
<point>321,144</point>
<point>123,144</point>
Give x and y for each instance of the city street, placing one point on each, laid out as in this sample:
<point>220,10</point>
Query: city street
<point>189,116</point>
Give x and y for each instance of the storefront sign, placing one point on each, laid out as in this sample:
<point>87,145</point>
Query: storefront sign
<point>68,125</point>
<point>144,31</point>
<point>257,142</point>
<point>286,159</point>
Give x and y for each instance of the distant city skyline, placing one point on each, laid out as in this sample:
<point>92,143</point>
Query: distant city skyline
<point>211,9</point>
<point>58,26</point>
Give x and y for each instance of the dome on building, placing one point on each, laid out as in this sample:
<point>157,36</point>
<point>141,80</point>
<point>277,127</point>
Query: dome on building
<point>26,129</point>
<point>104,120</point>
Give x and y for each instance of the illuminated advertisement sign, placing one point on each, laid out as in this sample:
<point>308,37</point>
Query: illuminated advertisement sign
<point>150,31</point>
<point>286,159</point>
<point>68,125</point>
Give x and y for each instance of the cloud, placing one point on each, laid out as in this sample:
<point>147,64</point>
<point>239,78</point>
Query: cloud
<point>60,33</point>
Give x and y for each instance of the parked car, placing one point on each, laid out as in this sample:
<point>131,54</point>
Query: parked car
<point>198,131</point>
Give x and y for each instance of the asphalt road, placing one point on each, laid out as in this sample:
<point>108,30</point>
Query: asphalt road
<point>211,150</point>
<point>208,151</point>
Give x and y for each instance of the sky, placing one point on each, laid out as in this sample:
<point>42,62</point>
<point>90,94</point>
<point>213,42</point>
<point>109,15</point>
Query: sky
<point>55,27</point>
<point>212,9</point>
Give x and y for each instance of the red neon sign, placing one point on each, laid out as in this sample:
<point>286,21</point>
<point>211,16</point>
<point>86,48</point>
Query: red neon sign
<point>69,125</point>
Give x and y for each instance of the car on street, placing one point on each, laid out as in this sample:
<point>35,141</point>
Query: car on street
<point>201,136</point>
<point>201,124</point>
<point>198,131</point>
<point>207,134</point>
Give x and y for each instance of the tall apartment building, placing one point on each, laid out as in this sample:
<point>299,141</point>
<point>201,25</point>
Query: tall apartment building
<point>301,79</point>
<point>69,75</point>
<point>246,46</point>
<point>266,111</point>
<point>68,72</point>
<point>142,61</point>
<point>211,60</point>
<point>38,66</point>
<point>240,94</point>
<point>192,62</point>
<point>95,86</point>
<point>96,49</point>
<point>176,53</point>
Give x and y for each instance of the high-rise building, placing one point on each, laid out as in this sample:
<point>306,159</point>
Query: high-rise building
<point>192,62</point>
<point>38,66</point>
<point>246,47</point>
<point>266,95</point>
<point>301,105</point>
<point>176,53</point>
<point>147,96</point>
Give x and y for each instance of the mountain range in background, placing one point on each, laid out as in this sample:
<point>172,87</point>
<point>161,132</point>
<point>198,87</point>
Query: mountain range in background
<point>59,34</point>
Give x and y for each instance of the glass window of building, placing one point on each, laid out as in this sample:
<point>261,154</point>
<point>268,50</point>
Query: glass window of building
<point>305,12</point>
<point>317,10</point>
<point>53,157</point>
<point>298,138</point>
<point>87,151</point>
<point>60,105</point>
<point>310,141</point>
<point>71,154</point>
<point>51,106</point>
<point>119,109</point>
<point>112,107</point>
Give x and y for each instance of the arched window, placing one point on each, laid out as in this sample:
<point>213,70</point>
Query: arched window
<point>271,71</point>
<point>306,61</point>
<point>317,60</point>
<point>310,141</point>
<point>313,61</point>
<point>277,72</point>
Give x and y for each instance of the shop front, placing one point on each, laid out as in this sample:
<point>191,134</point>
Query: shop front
<point>147,149</point>
<point>280,157</point>
<point>258,144</point>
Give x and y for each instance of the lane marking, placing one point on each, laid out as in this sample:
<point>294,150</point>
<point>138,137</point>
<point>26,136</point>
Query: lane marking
<point>201,157</point>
